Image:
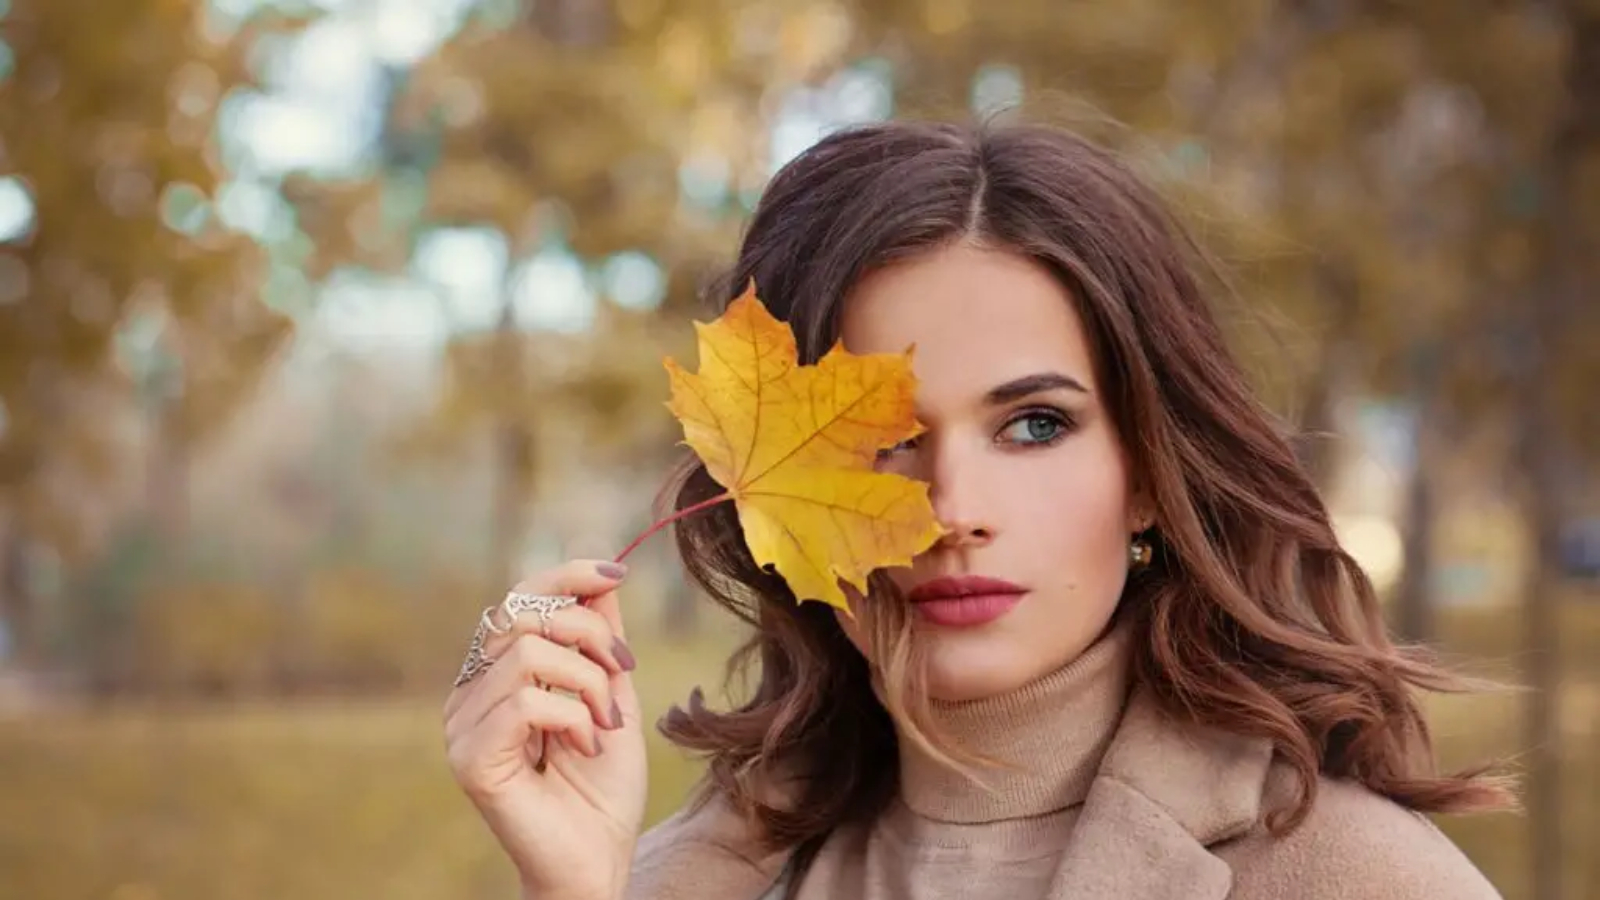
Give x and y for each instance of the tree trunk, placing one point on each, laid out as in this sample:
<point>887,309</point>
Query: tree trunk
<point>19,606</point>
<point>1318,442</point>
<point>18,610</point>
<point>512,449</point>
<point>1542,727</point>
<point>167,474</point>
<point>1414,608</point>
<point>512,452</point>
<point>1414,614</point>
<point>157,539</point>
<point>1544,321</point>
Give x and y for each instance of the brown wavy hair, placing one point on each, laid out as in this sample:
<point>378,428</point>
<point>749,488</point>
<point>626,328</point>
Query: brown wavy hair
<point>1251,617</point>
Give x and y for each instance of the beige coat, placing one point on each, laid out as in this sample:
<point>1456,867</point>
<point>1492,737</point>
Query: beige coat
<point>1173,813</point>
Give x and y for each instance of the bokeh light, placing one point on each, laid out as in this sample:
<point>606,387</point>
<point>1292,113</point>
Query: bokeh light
<point>16,209</point>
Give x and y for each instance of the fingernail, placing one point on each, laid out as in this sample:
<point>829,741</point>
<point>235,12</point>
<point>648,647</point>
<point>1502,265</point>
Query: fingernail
<point>616,715</point>
<point>623,654</point>
<point>611,570</point>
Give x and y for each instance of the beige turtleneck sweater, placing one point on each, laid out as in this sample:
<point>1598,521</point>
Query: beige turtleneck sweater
<point>1003,840</point>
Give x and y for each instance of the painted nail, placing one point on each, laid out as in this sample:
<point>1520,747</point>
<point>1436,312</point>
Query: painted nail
<point>616,715</point>
<point>624,655</point>
<point>611,570</point>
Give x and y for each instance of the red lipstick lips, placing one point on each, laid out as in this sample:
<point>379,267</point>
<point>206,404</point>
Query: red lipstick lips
<point>964,601</point>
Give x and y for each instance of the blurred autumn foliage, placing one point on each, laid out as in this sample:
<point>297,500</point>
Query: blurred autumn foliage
<point>275,424</point>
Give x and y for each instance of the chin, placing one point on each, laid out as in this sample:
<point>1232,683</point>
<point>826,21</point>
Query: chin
<point>957,674</point>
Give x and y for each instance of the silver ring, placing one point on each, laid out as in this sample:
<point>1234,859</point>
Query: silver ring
<point>477,661</point>
<point>515,603</point>
<point>542,605</point>
<point>486,621</point>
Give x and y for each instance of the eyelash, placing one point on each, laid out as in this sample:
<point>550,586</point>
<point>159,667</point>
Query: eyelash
<point>1065,422</point>
<point>1063,419</point>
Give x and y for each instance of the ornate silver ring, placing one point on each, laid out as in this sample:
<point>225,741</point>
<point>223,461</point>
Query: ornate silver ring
<point>543,605</point>
<point>476,661</point>
<point>515,604</point>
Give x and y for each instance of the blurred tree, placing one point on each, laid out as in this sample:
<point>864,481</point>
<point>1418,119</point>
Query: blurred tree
<point>547,129</point>
<point>1351,155</point>
<point>1527,189</point>
<point>109,131</point>
<point>566,130</point>
<point>1562,290</point>
<point>1257,114</point>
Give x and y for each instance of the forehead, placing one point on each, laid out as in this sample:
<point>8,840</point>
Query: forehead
<point>978,318</point>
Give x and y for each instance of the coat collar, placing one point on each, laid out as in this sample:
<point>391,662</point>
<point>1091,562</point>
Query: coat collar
<point>1164,793</point>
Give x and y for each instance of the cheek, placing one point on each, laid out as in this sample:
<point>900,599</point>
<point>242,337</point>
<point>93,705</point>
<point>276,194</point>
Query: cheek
<point>1076,513</point>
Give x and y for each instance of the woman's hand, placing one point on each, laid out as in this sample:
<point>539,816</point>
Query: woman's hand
<point>560,778</point>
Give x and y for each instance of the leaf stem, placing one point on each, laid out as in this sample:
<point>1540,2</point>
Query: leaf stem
<point>688,510</point>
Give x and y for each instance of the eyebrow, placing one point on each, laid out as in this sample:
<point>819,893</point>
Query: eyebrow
<point>1027,385</point>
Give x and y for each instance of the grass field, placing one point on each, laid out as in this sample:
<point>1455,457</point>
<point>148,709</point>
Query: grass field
<point>316,800</point>
<point>328,800</point>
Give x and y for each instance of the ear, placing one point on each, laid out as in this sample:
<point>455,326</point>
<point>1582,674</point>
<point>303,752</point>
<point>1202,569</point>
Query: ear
<point>1141,512</point>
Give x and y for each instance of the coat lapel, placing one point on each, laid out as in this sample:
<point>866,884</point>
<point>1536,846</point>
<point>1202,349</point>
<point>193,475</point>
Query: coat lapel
<point>1164,794</point>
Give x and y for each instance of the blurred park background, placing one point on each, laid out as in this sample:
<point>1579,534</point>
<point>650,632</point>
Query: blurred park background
<point>321,319</point>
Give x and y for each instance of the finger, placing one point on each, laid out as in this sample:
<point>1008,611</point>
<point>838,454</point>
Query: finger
<point>461,690</point>
<point>577,577</point>
<point>482,757</point>
<point>623,689</point>
<point>610,609</point>
<point>573,626</point>
<point>553,714</point>
<point>532,660</point>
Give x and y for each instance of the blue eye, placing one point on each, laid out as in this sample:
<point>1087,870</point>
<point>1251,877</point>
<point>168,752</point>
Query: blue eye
<point>1036,427</point>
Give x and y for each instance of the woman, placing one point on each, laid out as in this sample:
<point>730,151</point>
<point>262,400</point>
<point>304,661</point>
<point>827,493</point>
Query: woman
<point>1138,665</point>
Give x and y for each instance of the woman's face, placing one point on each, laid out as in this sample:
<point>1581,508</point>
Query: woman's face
<point>1025,467</point>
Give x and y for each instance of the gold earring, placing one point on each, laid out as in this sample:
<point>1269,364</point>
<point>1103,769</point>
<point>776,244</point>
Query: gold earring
<point>1140,552</point>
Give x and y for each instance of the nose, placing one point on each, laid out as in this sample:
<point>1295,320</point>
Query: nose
<point>956,493</point>
<point>965,534</point>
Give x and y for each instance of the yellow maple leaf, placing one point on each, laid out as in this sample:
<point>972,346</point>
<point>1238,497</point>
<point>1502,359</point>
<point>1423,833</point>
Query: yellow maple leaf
<point>795,446</point>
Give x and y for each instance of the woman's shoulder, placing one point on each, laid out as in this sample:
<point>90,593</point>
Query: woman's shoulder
<point>1353,843</point>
